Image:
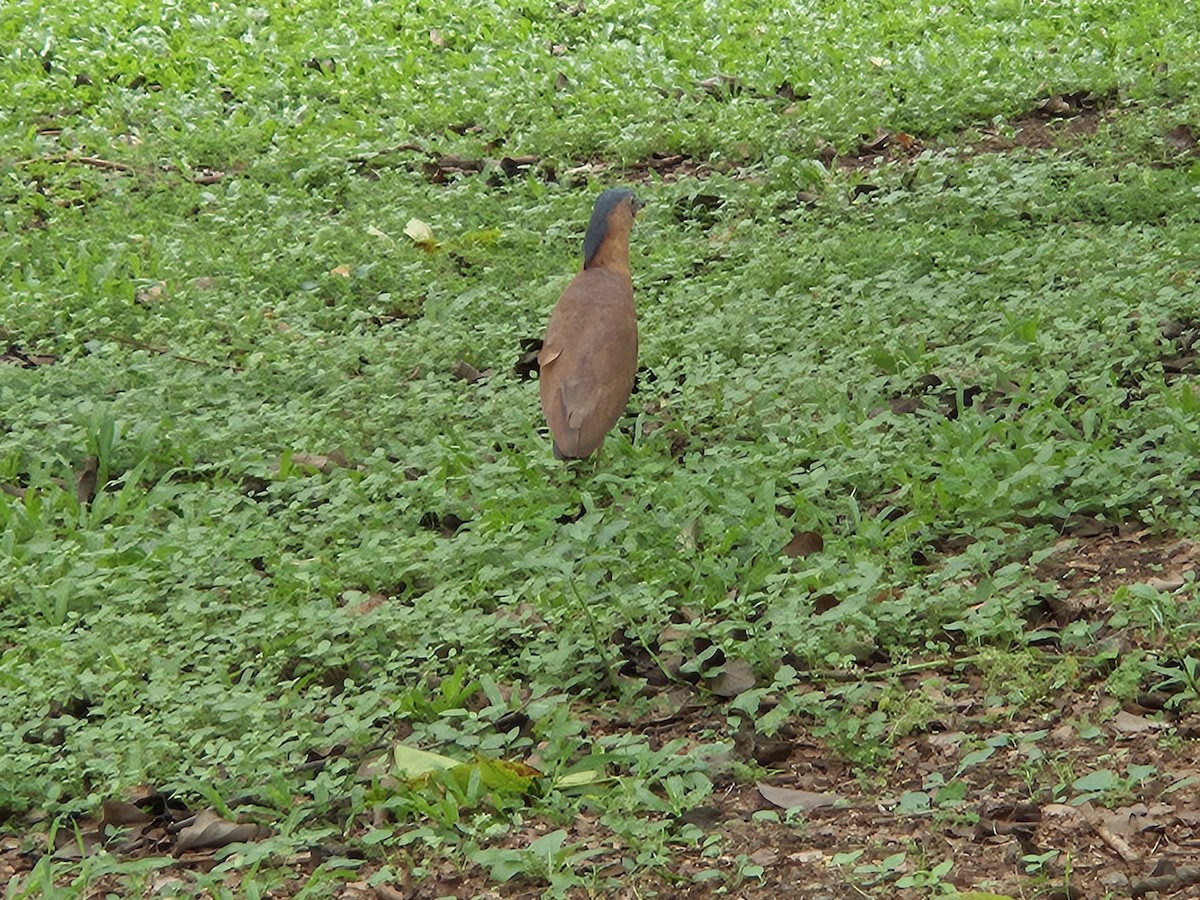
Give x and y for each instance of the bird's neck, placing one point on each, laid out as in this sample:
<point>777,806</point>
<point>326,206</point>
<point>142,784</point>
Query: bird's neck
<point>613,254</point>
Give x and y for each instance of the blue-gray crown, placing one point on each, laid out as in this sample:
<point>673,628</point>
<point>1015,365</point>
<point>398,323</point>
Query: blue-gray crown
<point>597,228</point>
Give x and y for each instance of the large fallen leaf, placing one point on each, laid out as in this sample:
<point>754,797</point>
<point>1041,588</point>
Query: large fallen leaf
<point>409,762</point>
<point>791,798</point>
<point>209,830</point>
<point>421,234</point>
<point>1128,723</point>
<point>120,813</point>
<point>802,544</point>
<point>736,677</point>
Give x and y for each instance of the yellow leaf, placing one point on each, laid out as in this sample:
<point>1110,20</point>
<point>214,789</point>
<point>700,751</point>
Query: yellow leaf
<point>421,234</point>
<point>409,762</point>
<point>342,270</point>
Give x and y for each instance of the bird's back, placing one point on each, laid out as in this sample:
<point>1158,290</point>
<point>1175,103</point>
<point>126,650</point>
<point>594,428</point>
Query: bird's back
<point>589,360</point>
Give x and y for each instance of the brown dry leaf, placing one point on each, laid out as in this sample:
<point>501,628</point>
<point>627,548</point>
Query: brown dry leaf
<point>1167,584</point>
<point>824,603</point>
<point>209,830</point>
<point>803,544</point>
<point>1130,821</point>
<point>705,817</point>
<point>1055,106</point>
<point>324,463</point>
<point>1128,723</point>
<point>1181,365</point>
<point>903,406</point>
<point>342,271</point>
<point>1181,139</point>
<point>876,144</point>
<point>72,845</point>
<point>119,812</point>
<point>946,741</point>
<point>764,857</point>
<point>85,480</point>
<point>362,608</point>
<point>148,296</point>
<point>464,371</point>
<point>516,165</point>
<point>792,798</point>
<point>736,677</point>
<point>1081,525</point>
<point>435,38</point>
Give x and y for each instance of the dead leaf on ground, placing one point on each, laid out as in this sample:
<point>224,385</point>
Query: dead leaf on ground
<point>764,857</point>
<point>421,235</point>
<point>27,360</point>
<point>209,831</point>
<point>517,165</point>
<point>464,371</point>
<point>85,480</point>
<point>73,844</point>
<point>324,463</point>
<point>792,798</point>
<point>360,607</point>
<point>1128,723</point>
<point>736,677</point>
<point>151,294</point>
<point>121,813</point>
<point>803,544</point>
<point>1181,139</point>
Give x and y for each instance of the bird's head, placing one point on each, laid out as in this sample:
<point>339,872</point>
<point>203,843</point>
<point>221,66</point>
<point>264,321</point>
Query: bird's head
<point>612,218</point>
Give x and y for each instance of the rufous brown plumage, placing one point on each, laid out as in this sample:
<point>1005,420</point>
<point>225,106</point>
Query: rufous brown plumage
<point>589,356</point>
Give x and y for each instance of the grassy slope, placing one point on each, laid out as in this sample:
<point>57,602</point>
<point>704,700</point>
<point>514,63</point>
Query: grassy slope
<point>182,631</point>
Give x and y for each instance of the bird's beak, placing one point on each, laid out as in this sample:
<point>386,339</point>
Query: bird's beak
<point>635,204</point>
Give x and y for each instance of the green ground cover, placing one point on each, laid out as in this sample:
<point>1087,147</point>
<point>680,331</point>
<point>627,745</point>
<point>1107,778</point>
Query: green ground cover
<point>309,542</point>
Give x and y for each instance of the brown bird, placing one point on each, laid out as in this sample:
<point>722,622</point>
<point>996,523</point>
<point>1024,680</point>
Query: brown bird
<point>589,357</point>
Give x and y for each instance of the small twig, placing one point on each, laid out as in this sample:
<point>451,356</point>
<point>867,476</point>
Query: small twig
<point>1180,878</point>
<point>103,163</point>
<point>848,675</point>
<point>93,161</point>
<point>166,351</point>
<point>1117,843</point>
